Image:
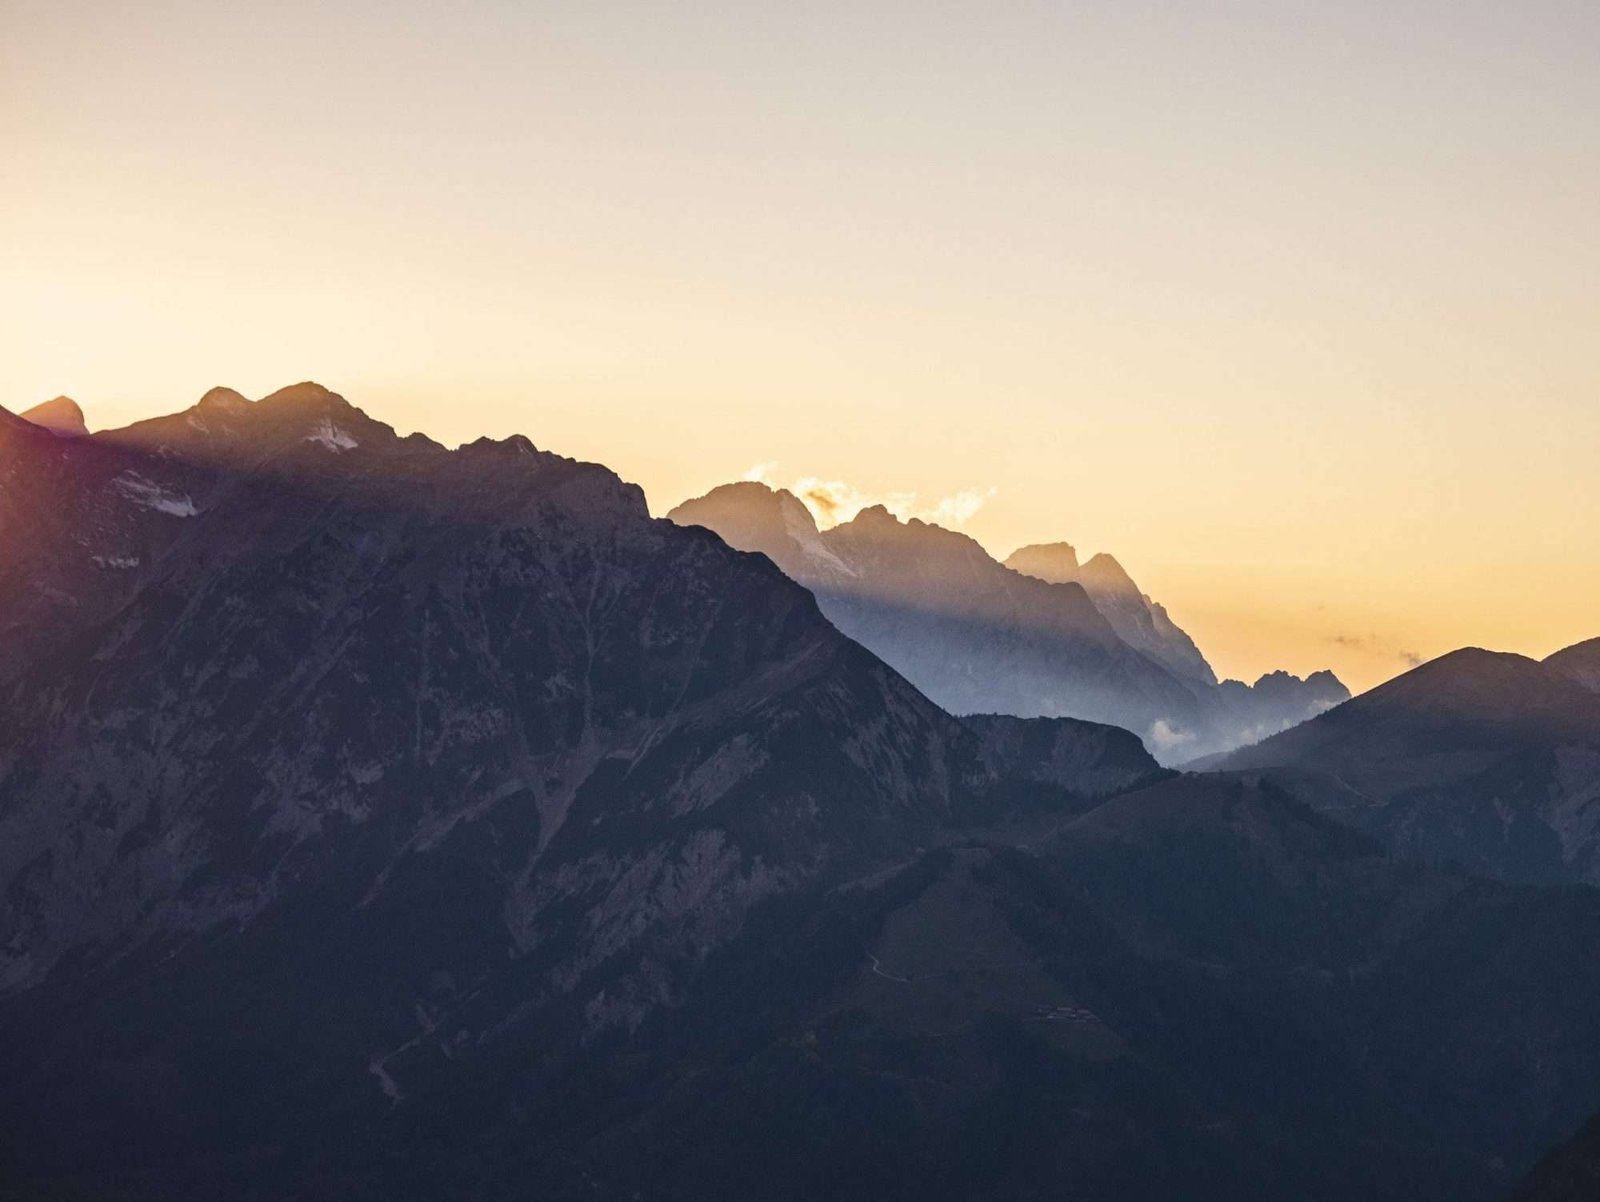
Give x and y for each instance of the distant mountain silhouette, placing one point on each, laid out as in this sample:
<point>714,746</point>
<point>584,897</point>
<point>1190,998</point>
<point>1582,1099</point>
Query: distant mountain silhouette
<point>1138,621</point>
<point>1489,759</point>
<point>59,416</point>
<point>1037,636</point>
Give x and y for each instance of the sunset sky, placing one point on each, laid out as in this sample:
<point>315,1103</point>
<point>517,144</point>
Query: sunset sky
<point>1293,307</point>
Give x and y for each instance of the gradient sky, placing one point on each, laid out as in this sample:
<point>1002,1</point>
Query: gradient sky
<point>1293,307</point>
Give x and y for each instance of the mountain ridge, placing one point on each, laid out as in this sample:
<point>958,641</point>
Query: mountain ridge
<point>981,636</point>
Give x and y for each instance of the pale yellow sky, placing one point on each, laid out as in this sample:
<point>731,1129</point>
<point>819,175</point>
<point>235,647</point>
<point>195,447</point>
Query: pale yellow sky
<point>1292,307</point>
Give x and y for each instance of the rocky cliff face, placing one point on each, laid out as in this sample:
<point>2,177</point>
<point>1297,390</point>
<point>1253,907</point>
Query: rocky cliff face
<point>1037,636</point>
<point>1138,621</point>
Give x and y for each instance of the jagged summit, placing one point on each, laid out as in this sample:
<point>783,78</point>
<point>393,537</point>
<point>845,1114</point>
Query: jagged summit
<point>515,444</point>
<point>60,415</point>
<point>1103,571</point>
<point>880,527</point>
<point>873,515</point>
<point>1137,619</point>
<point>1058,563</point>
<point>751,516</point>
<point>1280,678</point>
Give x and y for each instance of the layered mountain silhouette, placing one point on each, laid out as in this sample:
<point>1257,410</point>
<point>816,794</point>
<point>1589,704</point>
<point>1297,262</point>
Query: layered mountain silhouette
<point>1483,758</point>
<point>380,820</point>
<point>1040,635</point>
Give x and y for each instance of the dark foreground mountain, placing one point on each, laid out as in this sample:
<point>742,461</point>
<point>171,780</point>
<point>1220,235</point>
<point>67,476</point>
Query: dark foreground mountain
<point>1485,759</point>
<point>1570,1173</point>
<point>1040,635</point>
<point>379,821</point>
<point>1580,662</point>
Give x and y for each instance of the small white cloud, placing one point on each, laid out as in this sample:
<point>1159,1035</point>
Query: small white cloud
<point>959,509</point>
<point>759,472</point>
<point>1165,737</point>
<point>835,501</point>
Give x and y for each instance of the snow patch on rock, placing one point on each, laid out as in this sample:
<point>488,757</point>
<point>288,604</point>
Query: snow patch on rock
<point>142,491</point>
<point>330,436</point>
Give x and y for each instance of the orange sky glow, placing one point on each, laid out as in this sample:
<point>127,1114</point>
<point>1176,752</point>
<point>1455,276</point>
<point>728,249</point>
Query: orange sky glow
<point>1290,307</point>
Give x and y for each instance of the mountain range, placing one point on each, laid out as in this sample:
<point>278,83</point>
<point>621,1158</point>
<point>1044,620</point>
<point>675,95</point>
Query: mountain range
<point>1038,636</point>
<point>381,820</point>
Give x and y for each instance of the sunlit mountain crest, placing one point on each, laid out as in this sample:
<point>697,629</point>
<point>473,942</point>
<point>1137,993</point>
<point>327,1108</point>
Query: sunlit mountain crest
<point>1039,635</point>
<point>60,416</point>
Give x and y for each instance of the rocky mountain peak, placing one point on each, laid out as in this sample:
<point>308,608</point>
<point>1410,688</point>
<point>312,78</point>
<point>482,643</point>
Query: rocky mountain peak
<point>515,445</point>
<point>1104,574</point>
<point>746,493</point>
<point>874,515</point>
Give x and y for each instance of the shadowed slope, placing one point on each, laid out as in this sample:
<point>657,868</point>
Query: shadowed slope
<point>1570,1172</point>
<point>1581,662</point>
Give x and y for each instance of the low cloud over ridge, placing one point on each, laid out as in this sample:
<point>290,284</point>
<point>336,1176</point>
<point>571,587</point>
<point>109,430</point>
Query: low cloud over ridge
<point>833,502</point>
